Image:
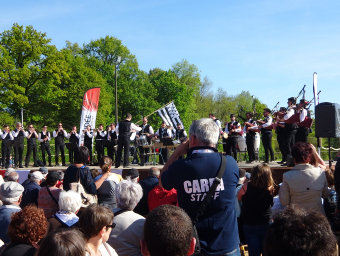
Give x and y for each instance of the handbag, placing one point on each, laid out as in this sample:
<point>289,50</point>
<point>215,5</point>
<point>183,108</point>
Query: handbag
<point>86,198</point>
<point>205,202</point>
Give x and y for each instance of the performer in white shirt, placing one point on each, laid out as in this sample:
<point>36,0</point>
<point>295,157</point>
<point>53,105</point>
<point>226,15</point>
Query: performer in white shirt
<point>88,139</point>
<point>6,147</point>
<point>267,135</point>
<point>44,138</point>
<point>233,130</point>
<point>162,133</point>
<point>74,137</point>
<point>148,132</point>
<point>100,135</point>
<point>19,135</point>
<point>59,135</point>
<point>302,132</point>
<point>32,137</point>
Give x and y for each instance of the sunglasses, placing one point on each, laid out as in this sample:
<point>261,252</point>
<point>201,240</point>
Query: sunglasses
<point>113,225</point>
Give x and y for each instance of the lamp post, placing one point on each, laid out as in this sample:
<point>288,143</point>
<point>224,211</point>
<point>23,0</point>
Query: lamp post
<point>118,60</point>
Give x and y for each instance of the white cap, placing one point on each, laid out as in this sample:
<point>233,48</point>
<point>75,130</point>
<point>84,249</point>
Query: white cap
<point>8,171</point>
<point>11,189</point>
<point>37,175</point>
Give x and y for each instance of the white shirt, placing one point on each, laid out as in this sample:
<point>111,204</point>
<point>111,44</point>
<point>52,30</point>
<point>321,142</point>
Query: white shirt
<point>69,135</point>
<point>88,134</point>
<point>303,115</point>
<point>245,127</point>
<point>15,134</point>
<point>290,113</point>
<point>150,129</point>
<point>168,132</point>
<point>4,134</point>
<point>102,133</point>
<point>238,129</point>
<point>104,252</point>
<point>40,139</point>
<point>269,122</point>
<point>133,127</point>
<point>55,134</point>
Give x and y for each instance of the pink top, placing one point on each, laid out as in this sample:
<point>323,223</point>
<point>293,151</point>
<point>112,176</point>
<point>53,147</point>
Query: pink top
<point>45,201</point>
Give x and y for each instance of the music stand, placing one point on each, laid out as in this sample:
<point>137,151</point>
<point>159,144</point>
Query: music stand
<point>167,142</point>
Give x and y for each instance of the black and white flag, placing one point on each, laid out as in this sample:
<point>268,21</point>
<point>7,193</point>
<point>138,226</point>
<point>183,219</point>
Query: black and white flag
<point>170,116</point>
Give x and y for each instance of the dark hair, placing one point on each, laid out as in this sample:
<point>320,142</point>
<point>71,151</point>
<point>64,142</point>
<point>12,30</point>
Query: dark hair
<point>5,126</point>
<point>100,125</point>
<point>250,114</point>
<point>267,110</point>
<point>302,152</point>
<point>105,163</point>
<point>43,126</point>
<point>27,226</point>
<point>163,122</point>
<point>94,173</point>
<point>128,115</point>
<point>283,109</point>
<point>330,176</point>
<point>93,219</point>
<point>296,232</point>
<point>261,176</point>
<point>292,99</point>
<point>83,155</point>
<point>52,178</point>
<point>63,242</point>
<point>73,126</point>
<point>168,231</point>
<point>242,173</point>
<point>232,115</point>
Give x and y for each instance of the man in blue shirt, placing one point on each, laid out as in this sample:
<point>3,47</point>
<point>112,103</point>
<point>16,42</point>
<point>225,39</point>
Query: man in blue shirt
<point>31,192</point>
<point>192,177</point>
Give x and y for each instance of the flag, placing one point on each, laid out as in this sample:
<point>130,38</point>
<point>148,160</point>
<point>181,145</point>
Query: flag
<point>170,116</point>
<point>315,88</point>
<point>89,109</point>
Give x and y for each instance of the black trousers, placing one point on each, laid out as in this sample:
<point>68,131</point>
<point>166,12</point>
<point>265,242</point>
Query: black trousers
<point>73,151</point>
<point>89,147</point>
<point>45,147</point>
<point>6,153</point>
<point>290,140</point>
<point>100,149</point>
<point>111,152</point>
<point>281,139</point>
<point>123,142</point>
<point>267,144</point>
<point>144,151</point>
<point>164,158</point>
<point>18,151</point>
<point>231,146</point>
<point>30,148</point>
<point>61,148</point>
<point>302,134</point>
<point>250,141</point>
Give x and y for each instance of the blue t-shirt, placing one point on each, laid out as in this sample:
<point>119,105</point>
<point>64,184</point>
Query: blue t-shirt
<point>192,178</point>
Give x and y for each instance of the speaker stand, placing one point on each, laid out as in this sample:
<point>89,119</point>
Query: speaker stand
<point>329,152</point>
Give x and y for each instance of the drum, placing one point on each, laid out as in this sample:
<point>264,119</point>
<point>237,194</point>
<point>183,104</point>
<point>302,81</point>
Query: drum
<point>177,142</point>
<point>141,141</point>
<point>257,141</point>
<point>242,143</point>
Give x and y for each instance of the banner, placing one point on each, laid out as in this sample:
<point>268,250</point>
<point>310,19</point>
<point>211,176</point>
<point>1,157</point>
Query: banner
<point>315,88</point>
<point>89,109</point>
<point>170,116</point>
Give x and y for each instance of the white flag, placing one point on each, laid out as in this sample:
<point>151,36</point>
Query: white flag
<point>170,116</point>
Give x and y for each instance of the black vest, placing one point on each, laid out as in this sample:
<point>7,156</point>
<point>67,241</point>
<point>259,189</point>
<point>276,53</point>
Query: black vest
<point>179,134</point>
<point>124,129</point>
<point>113,136</point>
<point>162,134</point>
<point>74,139</point>
<point>229,127</point>
<point>32,140</point>
<point>60,138</point>
<point>43,136</point>
<point>99,136</point>
<point>292,126</point>
<point>146,129</point>
<point>18,140</point>
<point>250,132</point>
<point>8,137</point>
<point>87,139</point>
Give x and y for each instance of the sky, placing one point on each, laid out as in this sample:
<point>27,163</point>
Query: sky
<point>269,48</point>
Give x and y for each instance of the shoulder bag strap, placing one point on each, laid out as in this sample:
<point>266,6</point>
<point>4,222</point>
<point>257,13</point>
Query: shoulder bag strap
<point>212,189</point>
<point>48,190</point>
<point>120,211</point>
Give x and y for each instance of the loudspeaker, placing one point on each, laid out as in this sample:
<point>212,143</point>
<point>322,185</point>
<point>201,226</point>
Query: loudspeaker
<point>327,120</point>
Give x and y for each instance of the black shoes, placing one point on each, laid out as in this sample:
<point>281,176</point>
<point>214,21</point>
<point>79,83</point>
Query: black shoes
<point>249,162</point>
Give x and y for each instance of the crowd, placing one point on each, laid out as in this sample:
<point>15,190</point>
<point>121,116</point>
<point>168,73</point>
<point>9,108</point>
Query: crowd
<point>202,204</point>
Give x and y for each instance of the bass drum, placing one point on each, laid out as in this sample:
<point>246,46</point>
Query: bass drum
<point>242,142</point>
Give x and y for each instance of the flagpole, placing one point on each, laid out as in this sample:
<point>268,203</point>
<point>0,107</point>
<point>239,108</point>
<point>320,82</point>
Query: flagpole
<point>155,111</point>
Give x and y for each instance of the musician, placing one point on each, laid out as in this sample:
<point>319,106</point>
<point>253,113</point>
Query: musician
<point>267,135</point>
<point>6,147</point>
<point>302,132</point>
<point>225,140</point>
<point>180,134</point>
<point>233,129</point>
<point>32,137</point>
<point>163,133</point>
<point>281,139</point>
<point>19,135</point>
<point>250,137</point>
<point>148,131</point>
<point>100,135</point>
<point>73,137</point>
<point>112,137</point>
<point>290,129</point>
<point>44,138</point>
<point>59,135</point>
<point>123,130</point>
<point>88,137</point>
<point>217,122</point>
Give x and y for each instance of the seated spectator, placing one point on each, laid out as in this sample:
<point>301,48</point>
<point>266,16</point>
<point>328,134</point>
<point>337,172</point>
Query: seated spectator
<point>296,232</point>
<point>26,229</point>
<point>96,223</point>
<point>85,177</point>
<point>31,192</point>
<point>238,204</point>
<point>160,196</point>
<point>107,191</point>
<point>69,205</point>
<point>64,242</point>
<point>168,232</point>
<point>44,172</point>
<point>13,176</point>
<point>305,184</point>
<point>133,175</point>
<point>28,180</point>
<point>147,184</point>
<point>49,195</point>
<point>95,173</point>
<point>11,194</point>
<point>126,236</point>
<point>60,181</point>
<point>8,171</point>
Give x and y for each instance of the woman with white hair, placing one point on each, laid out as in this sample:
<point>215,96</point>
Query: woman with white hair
<point>126,236</point>
<point>69,205</point>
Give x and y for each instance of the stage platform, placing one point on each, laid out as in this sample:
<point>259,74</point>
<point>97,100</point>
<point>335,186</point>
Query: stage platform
<point>277,170</point>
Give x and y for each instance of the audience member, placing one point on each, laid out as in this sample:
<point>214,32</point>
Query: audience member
<point>160,196</point>
<point>63,242</point>
<point>69,205</point>
<point>192,176</point>
<point>242,180</point>
<point>60,181</point>
<point>331,201</point>
<point>107,191</point>
<point>11,194</point>
<point>96,223</point>
<point>28,180</point>
<point>316,160</point>
<point>257,202</point>
<point>305,184</point>
<point>168,232</point>
<point>13,176</point>
<point>95,173</point>
<point>84,176</point>
<point>49,195</point>
<point>126,236</point>
<point>26,229</point>
<point>147,185</point>
<point>8,171</point>
<point>133,175</point>
<point>296,232</point>
<point>31,192</point>
<point>337,177</point>
<point>44,172</point>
